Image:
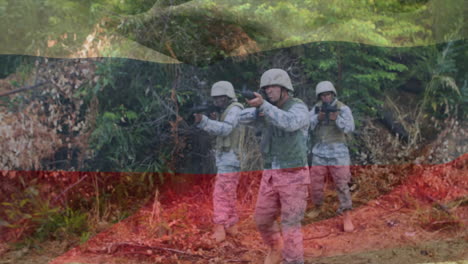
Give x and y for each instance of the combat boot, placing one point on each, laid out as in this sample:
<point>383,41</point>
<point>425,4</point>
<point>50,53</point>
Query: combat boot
<point>347,222</point>
<point>313,212</point>
<point>219,234</point>
<point>232,230</point>
<point>274,255</point>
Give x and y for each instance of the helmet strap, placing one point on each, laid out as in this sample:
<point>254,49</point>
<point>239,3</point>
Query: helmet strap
<point>280,100</point>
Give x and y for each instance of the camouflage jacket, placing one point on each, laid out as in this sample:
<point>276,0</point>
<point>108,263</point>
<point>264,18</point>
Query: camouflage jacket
<point>223,128</point>
<point>345,122</point>
<point>296,118</point>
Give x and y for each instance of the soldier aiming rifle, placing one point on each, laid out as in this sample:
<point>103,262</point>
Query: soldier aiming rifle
<point>223,123</point>
<point>329,122</point>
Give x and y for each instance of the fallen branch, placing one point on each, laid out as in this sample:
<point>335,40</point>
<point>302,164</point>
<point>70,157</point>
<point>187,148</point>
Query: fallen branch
<point>113,248</point>
<point>22,89</point>
<point>238,260</point>
<point>438,204</point>
<point>69,187</point>
<point>317,237</point>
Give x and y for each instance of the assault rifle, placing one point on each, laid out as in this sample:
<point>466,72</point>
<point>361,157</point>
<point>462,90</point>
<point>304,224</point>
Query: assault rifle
<point>249,95</point>
<point>327,109</point>
<point>204,109</point>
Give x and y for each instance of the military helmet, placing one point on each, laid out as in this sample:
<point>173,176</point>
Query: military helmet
<point>325,86</point>
<point>223,88</point>
<point>276,77</point>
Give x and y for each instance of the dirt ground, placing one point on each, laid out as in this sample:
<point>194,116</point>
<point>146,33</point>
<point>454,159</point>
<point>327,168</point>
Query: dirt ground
<point>446,251</point>
<point>430,252</point>
<point>423,220</point>
<point>435,250</point>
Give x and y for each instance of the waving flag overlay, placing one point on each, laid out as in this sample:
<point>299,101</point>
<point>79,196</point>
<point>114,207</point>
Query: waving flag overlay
<point>100,153</point>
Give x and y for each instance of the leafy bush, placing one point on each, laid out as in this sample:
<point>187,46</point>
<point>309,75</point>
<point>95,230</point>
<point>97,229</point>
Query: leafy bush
<point>31,217</point>
<point>360,73</point>
<point>132,129</point>
<point>445,94</point>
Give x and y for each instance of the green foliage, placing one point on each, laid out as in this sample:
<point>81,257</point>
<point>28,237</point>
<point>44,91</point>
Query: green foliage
<point>33,213</point>
<point>464,99</point>
<point>360,72</point>
<point>214,29</point>
<point>122,7</point>
<point>19,208</point>
<point>298,22</point>
<point>132,129</point>
<point>61,224</point>
<point>31,23</point>
<point>363,73</point>
<point>443,96</point>
<point>111,130</point>
<point>9,63</point>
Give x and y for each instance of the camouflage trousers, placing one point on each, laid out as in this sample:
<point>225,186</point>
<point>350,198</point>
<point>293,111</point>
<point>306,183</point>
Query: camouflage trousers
<point>339,170</point>
<point>225,196</point>
<point>288,202</point>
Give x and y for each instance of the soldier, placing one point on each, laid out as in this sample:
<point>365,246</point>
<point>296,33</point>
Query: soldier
<point>227,150</point>
<point>330,121</point>
<point>283,187</point>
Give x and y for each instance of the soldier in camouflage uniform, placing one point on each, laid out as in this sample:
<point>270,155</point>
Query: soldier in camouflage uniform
<point>227,152</point>
<point>283,189</point>
<point>330,152</point>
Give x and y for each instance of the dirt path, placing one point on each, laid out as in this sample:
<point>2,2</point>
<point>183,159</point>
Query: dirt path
<point>455,251</point>
<point>385,236</point>
<point>397,226</point>
<point>403,226</point>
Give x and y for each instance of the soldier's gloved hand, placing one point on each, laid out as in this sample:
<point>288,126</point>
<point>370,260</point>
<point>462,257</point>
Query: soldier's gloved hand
<point>198,118</point>
<point>333,116</point>
<point>321,116</point>
<point>257,101</point>
<point>214,116</point>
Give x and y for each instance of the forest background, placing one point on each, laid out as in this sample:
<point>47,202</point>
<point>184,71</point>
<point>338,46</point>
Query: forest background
<point>104,121</point>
